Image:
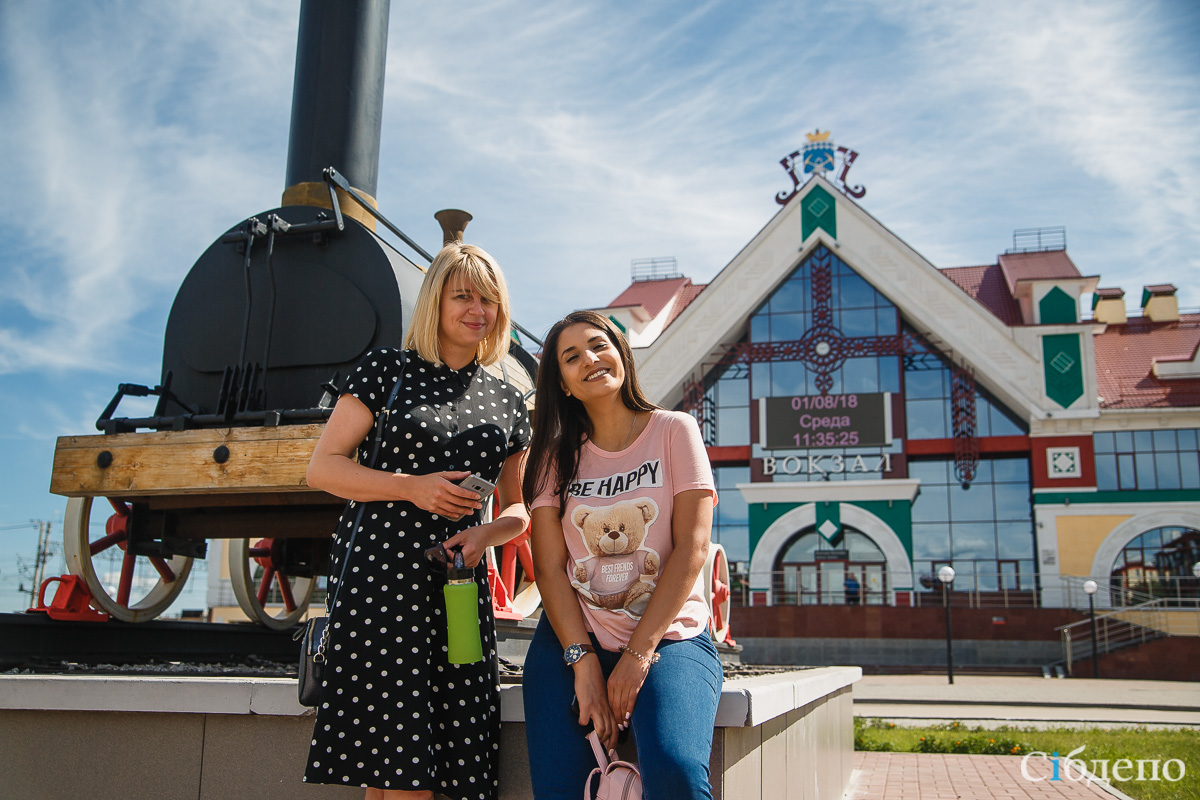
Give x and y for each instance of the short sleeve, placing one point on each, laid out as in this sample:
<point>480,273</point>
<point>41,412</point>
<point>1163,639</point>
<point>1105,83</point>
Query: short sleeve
<point>690,468</point>
<point>521,434</point>
<point>545,493</point>
<point>372,380</point>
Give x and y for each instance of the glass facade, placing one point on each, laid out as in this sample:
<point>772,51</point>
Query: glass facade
<point>1146,460</point>
<point>927,409</point>
<point>731,517</point>
<point>986,531</point>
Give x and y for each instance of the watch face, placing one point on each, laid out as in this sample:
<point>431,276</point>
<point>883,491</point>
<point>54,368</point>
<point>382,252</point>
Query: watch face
<point>572,654</point>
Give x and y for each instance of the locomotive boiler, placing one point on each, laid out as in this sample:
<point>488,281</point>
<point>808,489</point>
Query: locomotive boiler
<point>264,329</point>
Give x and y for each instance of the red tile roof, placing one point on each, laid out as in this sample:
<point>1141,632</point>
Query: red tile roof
<point>1125,363</point>
<point>1046,265</point>
<point>689,293</point>
<point>988,287</point>
<point>652,295</point>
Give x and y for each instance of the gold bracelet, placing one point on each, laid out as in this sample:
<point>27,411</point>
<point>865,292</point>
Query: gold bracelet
<point>647,660</point>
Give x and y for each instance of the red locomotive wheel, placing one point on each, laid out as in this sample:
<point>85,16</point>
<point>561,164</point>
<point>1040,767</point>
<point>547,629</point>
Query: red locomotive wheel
<point>717,592</point>
<point>138,589</point>
<point>264,590</point>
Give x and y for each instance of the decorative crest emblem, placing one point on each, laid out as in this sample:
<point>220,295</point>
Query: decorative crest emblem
<point>819,154</point>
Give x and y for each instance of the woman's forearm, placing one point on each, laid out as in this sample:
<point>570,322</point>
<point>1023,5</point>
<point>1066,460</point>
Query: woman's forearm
<point>560,602</point>
<point>508,525</point>
<point>342,477</point>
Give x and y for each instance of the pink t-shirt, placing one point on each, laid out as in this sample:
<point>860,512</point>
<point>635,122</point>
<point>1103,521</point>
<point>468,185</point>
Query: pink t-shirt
<point>618,526</point>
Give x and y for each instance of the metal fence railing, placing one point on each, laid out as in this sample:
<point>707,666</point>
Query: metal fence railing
<point>1124,627</point>
<point>972,588</point>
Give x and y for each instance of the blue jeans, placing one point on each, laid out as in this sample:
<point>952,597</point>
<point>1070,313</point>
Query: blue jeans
<point>672,720</point>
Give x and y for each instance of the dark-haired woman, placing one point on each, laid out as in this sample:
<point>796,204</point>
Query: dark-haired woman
<point>622,496</point>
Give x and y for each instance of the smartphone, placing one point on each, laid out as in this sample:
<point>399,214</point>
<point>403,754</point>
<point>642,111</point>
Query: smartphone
<point>478,485</point>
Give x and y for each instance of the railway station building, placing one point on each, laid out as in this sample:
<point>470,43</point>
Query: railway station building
<point>872,417</point>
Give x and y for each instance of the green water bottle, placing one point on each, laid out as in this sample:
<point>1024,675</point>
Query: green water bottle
<point>462,613</point>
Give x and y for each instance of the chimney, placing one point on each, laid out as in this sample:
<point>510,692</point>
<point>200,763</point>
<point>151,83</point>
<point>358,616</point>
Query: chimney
<point>1108,306</point>
<point>1159,303</point>
<point>337,102</point>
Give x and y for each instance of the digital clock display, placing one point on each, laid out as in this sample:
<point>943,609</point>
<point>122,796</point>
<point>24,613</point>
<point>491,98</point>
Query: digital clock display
<point>805,422</point>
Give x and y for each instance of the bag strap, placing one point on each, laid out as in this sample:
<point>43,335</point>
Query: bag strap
<point>598,749</point>
<point>588,792</point>
<point>381,420</point>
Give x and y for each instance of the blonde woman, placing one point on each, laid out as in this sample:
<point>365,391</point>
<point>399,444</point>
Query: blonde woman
<point>396,717</point>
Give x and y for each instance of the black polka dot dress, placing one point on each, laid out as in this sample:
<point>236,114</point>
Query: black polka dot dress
<point>394,713</point>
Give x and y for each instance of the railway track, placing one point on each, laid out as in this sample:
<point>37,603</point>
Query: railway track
<point>34,643</point>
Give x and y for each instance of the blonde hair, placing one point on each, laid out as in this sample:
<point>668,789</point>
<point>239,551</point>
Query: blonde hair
<point>482,272</point>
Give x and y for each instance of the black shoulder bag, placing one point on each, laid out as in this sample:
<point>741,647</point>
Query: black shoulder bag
<point>315,633</point>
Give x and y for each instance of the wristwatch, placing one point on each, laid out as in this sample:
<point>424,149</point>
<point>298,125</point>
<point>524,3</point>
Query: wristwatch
<point>574,652</point>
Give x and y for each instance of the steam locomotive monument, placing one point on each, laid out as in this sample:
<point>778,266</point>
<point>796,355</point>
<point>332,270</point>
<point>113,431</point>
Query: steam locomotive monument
<point>269,320</point>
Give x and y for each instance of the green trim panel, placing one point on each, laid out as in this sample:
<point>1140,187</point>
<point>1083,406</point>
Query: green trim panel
<point>896,514</point>
<point>1062,366</point>
<point>818,209</point>
<point>1150,496</point>
<point>1057,308</point>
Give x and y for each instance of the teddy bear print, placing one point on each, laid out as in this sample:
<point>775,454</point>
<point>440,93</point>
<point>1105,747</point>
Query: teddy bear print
<point>618,574</point>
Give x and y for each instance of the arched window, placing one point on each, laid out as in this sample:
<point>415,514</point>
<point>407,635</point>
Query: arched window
<point>811,571</point>
<point>1158,563</point>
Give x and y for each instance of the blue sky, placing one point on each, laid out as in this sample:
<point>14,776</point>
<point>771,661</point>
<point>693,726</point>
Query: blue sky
<point>581,135</point>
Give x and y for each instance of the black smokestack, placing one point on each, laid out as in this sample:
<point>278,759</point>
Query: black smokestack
<point>337,100</point>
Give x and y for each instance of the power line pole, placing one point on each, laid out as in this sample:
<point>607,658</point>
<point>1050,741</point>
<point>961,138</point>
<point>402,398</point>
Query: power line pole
<point>39,561</point>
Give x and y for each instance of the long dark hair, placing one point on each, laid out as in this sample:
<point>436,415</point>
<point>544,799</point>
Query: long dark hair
<point>561,423</point>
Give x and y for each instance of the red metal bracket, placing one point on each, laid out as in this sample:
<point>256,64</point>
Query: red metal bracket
<point>72,600</point>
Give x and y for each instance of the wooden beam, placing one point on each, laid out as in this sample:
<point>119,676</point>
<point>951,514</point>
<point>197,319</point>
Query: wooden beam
<point>260,459</point>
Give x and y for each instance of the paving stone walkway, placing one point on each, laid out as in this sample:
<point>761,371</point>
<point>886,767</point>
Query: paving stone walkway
<point>936,776</point>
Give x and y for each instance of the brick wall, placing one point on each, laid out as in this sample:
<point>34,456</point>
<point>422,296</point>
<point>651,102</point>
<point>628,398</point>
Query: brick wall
<point>887,622</point>
<point>1172,659</point>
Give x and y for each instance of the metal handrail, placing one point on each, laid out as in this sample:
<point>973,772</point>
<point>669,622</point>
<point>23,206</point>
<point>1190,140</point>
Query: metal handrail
<point>1118,628</point>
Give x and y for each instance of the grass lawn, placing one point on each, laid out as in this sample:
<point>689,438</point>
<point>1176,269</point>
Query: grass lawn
<point>1121,748</point>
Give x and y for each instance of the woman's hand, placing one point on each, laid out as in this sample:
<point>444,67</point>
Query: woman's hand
<point>510,518</point>
<point>439,493</point>
<point>593,701</point>
<point>623,686</point>
<point>473,541</point>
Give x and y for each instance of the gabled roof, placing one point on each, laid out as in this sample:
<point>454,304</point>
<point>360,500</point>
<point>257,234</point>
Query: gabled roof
<point>1125,357</point>
<point>651,295</point>
<point>930,301</point>
<point>987,285</point>
<point>1043,265</point>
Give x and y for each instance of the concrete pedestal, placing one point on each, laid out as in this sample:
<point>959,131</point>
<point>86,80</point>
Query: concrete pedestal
<point>788,735</point>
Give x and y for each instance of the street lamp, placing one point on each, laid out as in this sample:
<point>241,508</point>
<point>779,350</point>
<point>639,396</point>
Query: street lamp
<point>1089,588</point>
<point>945,574</point>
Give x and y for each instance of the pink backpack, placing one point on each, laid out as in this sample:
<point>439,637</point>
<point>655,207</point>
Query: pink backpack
<point>619,780</point>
